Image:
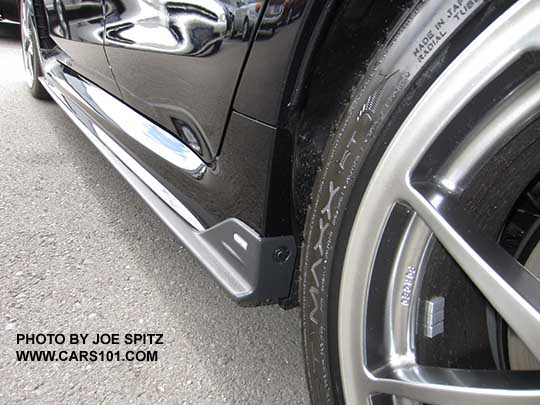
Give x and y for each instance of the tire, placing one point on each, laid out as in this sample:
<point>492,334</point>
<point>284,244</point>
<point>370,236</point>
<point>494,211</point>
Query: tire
<point>290,16</point>
<point>246,30</point>
<point>366,204</point>
<point>30,53</point>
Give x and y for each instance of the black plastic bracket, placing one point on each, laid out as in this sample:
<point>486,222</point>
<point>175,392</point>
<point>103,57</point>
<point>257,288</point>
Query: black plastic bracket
<point>264,266</point>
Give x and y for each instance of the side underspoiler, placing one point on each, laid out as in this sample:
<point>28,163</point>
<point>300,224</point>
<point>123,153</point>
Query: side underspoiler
<point>250,268</point>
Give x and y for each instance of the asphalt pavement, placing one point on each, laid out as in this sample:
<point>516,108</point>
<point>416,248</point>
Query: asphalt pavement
<point>81,253</point>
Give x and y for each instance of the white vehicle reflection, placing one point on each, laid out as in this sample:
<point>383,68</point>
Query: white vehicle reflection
<point>185,27</point>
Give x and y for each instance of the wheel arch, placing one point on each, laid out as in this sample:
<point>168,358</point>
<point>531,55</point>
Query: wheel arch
<point>317,90</point>
<point>320,87</point>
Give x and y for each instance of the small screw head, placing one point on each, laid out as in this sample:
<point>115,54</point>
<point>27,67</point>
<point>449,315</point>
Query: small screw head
<point>281,254</point>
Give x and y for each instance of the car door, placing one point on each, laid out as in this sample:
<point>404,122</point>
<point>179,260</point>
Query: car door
<point>77,26</point>
<point>177,62</point>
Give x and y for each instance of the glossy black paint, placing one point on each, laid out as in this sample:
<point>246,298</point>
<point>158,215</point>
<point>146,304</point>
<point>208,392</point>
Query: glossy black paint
<point>234,185</point>
<point>77,27</point>
<point>261,90</point>
<point>178,63</point>
<point>270,92</point>
<point>9,9</point>
<point>205,68</point>
<point>182,65</point>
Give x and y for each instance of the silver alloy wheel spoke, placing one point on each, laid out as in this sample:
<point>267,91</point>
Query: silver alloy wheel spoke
<point>499,126</point>
<point>444,386</point>
<point>510,288</point>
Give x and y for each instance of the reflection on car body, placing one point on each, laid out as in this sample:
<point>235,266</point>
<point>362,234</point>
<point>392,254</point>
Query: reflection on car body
<point>272,16</point>
<point>292,9</point>
<point>176,27</point>
<point>245,16</point>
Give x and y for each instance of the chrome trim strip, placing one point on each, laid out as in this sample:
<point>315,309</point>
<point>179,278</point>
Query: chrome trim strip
<point>149,180</point>
<point>144,131</point>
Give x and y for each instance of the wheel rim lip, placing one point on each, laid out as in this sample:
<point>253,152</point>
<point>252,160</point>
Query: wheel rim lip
<point>27,44</point>
<point>372,218</point>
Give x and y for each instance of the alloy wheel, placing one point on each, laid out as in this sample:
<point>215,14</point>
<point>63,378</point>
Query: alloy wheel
<point>377,336</point>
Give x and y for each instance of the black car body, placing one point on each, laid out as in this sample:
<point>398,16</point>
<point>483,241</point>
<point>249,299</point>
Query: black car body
<point>9,10</point>
<point>174,95</point>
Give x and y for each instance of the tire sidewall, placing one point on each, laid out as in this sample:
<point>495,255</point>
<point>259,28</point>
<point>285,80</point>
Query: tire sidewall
<point>245,30</point>
<point>37,90</point>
